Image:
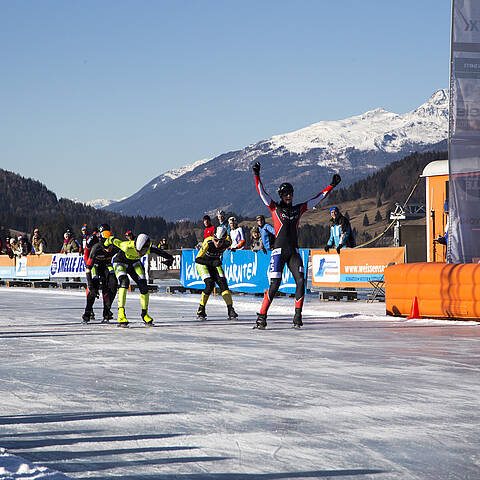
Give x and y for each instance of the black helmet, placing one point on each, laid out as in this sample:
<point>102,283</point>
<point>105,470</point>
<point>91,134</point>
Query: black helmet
<point>285,188</point>
<point>104,230</point>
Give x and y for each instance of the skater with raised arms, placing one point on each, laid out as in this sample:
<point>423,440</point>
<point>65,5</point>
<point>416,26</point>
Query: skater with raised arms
<point>209,267</point>
<point>128,262</point>
<point>286,219</point>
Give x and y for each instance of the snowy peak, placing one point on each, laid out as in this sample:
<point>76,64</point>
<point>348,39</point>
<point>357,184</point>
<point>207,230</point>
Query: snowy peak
<point>175,173</point>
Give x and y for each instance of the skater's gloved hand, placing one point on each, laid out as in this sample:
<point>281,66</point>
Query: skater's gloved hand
<point>233,249</point>
<point>327,248</point>
<point>256,169</point>
<point>339,248</point>
<point>264,250</point>
<point>336,179</point>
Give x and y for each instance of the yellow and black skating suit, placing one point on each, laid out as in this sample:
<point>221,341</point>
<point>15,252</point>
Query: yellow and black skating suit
<point>127,262</point>
<point>209,267</point>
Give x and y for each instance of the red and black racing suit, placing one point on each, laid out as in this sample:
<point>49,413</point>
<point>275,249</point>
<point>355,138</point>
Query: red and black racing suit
<point>286,219</point>
<point>100,274</point>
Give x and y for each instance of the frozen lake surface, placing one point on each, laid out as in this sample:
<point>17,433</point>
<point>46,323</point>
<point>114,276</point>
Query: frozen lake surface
<point>353,395</point>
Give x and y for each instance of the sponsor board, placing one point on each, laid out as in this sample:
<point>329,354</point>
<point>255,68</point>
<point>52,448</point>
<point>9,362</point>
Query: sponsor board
<point>353,267</point>
<point>245,271</point>
<point>67,265</point>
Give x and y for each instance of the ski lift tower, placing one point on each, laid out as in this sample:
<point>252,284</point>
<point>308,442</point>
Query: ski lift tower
<point>397,215</point>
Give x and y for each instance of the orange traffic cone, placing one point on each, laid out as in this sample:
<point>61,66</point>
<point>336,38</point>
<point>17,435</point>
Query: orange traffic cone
<point>414,312</point>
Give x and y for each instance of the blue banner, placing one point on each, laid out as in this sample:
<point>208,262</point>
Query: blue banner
<point>246,271</point>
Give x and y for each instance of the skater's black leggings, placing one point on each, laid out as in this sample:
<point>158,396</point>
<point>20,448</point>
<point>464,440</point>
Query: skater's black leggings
<point>295,264</point>
<point>214,278</point>
<point>104,279</point>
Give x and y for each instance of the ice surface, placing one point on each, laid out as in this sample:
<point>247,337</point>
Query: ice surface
<point>354,394</point>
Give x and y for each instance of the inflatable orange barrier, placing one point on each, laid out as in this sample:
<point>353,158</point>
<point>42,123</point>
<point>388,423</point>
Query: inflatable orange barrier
<point>442,290</point>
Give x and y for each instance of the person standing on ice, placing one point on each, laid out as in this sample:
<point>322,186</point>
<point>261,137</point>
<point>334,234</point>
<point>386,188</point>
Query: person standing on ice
<point>209,267</point>
<point>286,218</point>
<point>100,274</point>
<point>127,262</point>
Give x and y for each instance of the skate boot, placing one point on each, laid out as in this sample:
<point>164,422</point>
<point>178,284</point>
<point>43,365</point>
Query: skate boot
<point>201,313</point>
<point>297,319</point>
<point>87,316</point>
<point>232,314</point>
<point>147,319</point>
<point>122,319</point>
<point>107,315</point>
<point>261,321</point>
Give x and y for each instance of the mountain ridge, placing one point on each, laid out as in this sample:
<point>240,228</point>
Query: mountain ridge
<point>355,147</point>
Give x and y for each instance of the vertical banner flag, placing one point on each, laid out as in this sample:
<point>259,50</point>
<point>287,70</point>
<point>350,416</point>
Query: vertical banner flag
<point>464,134</point>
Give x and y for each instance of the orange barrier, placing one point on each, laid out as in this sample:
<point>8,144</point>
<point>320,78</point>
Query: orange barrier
<point>442,290</point>
<point>6,261</point>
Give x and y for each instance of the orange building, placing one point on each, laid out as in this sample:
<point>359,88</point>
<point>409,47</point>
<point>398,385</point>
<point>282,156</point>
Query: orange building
<point>436,188</point>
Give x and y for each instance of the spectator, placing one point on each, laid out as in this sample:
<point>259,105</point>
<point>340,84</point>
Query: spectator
<point>209,228</point>
<point>222,222</point>
<point>163,245</point>
<point>70,245</point>
<point>257,244</point>
<point>267,232</point>
<point>130,235</point>
<point>39,245</point>
<point>442,239</point>
<point>8,248</point>
<point>85,236</point>
<point>24,245</point>
<point>341,234</point>
<point>16,249</point>
<point>236,235</point>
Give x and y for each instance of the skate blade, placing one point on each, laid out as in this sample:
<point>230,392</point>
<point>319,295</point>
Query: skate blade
<point>122,325</point>
<point>258,327</point>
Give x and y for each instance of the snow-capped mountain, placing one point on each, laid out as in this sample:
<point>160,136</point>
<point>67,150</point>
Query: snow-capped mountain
<point>355,147</point>
<point>100,202</point>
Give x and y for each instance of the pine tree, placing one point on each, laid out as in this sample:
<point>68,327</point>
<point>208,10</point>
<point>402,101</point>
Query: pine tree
<point>366,222</point>
<point>378,216</point>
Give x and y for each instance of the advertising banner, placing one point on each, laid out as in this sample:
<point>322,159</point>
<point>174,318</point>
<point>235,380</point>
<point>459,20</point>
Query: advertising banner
<point>31,267</point>
<point>157,269</point>
<point>67,265</point>
<point>7,267</point>
<point>354,267</point>
<point>464,134</point>
<point>246,271</point>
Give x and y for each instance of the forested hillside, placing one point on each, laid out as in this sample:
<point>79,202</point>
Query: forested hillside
<point>368,202</point>
<point>26,204</point>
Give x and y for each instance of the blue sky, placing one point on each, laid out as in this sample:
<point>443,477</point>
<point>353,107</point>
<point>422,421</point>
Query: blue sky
<point>99,97</point>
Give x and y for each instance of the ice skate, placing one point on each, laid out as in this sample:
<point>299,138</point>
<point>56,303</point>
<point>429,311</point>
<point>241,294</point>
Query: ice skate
<point>122,319</point>
<point>297,319</point>
<point>107,315</point>
<point>201,313</point>
<point>147,319</point>
<point>232,314</point>
<point>87,316</point>
<point>261,321</point>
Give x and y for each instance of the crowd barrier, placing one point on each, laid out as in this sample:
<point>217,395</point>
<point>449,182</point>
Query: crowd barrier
<point>246,271</point>
<point>353,267</point>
